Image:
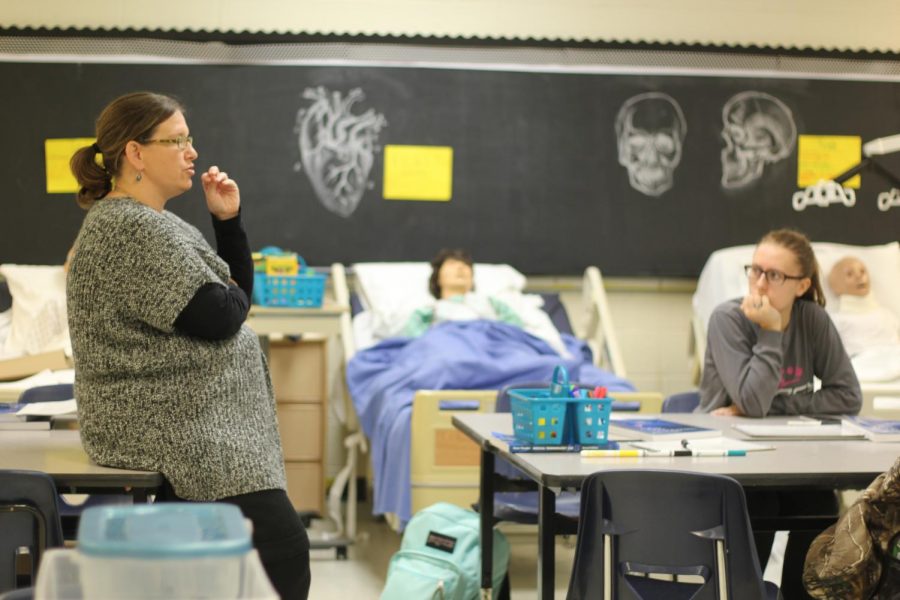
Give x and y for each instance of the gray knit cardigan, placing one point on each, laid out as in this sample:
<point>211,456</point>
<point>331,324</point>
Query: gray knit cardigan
<point>200,412</point>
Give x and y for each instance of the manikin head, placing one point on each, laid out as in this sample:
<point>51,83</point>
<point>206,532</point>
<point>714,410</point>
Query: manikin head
<point>451,274</point>
<point>849,276</point>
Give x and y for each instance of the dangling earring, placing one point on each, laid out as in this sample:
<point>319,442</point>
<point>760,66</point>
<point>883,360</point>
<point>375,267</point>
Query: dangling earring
<point>139,177</point>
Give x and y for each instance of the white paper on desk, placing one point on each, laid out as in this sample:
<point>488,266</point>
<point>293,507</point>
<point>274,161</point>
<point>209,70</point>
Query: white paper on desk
<point>795,431</point>
<point>715,443</point>
<point>48,409</point>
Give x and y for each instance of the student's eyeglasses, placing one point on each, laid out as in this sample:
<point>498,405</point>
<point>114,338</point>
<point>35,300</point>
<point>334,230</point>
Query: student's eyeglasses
<point>772,276</point>
<point>182,141</point>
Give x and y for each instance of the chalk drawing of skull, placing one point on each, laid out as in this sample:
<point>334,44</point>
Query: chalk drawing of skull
<point>337,147</point>
<point>758,130</point>
<point>650,130</point>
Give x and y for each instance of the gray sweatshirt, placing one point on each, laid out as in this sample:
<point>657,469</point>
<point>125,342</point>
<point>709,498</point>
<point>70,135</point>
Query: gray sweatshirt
<point>769,372</point>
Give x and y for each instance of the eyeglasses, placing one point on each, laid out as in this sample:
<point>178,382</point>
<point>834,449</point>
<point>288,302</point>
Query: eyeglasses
<point>182,141</point>
<point>772,276</point>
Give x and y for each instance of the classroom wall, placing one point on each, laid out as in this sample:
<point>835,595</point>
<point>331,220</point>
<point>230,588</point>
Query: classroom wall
<point>836,24</point>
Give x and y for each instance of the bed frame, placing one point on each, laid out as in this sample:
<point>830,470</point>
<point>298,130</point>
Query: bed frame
<point>444,464</point>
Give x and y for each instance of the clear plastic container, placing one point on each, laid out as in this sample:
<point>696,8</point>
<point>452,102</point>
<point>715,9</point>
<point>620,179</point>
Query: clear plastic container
<point>170,550</point>
<point>62,576</point>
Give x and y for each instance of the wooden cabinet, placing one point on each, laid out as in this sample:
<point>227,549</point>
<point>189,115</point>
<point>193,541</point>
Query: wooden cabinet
<point>298,370</point>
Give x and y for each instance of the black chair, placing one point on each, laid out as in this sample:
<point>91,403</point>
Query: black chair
<point>29,524</point>
<point>684,402</point>
<point>665,534</point>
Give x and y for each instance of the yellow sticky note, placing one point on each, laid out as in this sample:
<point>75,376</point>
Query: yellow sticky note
<point>57,154</point>
<point>418,173</point>
<point>826,157</point>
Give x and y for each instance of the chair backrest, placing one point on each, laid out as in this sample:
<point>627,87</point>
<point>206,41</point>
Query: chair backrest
<point>690,526</point>
<point>48,393</point>
<point>684,402</point>
<point>29,520</point>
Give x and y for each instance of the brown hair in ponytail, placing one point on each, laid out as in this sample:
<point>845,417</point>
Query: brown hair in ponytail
<point>801,248</point>
<point>130,117</point>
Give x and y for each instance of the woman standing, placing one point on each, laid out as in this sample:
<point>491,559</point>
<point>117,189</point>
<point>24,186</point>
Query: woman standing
<point>167,377</point>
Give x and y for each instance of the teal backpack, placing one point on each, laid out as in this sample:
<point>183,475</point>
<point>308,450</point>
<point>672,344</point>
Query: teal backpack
<point>440,557</point>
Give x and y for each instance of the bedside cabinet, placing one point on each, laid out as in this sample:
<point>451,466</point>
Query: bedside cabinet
<point>298,370</point>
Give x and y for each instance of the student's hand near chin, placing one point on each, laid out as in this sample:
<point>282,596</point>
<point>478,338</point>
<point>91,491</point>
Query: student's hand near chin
<point>223,198</point>
<point>732,410</point>
<point>757,309</point>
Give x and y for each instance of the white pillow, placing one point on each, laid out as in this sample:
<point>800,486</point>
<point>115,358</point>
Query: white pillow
<point>39,319</point>
<point>391,287</point>
<point>723,275</point>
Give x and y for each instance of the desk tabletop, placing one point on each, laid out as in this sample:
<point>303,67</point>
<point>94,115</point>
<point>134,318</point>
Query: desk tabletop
<point>59,453</point>
<point>832,464</point>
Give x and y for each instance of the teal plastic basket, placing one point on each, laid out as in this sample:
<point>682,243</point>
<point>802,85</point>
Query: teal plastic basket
<point>306,289</point>
<point>550,417</point>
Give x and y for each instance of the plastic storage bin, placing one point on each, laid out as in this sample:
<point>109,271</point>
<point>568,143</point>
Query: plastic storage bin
<point>178,550</point>
<point>551,417</point>
<point>281,278</point>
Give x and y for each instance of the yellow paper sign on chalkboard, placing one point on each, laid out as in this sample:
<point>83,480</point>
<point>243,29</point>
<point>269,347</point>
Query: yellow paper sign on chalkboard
<point>57,154</point>
<point>826,157</point>
<point>418,173</point>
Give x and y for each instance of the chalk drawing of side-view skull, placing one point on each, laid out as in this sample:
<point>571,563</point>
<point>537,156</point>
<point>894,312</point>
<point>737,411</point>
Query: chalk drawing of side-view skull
<point>650,130</point>
<point>337,147</point>
<point>758,130</point>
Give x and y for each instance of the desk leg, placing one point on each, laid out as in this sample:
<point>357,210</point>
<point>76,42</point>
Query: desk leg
<point>546,543</point>
<point>486,504</point>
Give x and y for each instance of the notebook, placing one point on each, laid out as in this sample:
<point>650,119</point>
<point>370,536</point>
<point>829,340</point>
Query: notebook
<point>797,432</point>
<point>658,429</point>
<point>875,429</point>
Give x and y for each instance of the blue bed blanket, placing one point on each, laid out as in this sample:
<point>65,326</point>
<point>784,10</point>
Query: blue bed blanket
<point>454,355</point>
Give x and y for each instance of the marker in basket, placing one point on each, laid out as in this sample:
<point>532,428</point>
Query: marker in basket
<point>648,453</point>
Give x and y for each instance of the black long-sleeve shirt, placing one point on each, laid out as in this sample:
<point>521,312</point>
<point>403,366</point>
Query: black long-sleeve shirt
<point>217,311</point>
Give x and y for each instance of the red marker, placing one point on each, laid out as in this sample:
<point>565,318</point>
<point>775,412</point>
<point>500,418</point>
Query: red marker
<point>598,392</point>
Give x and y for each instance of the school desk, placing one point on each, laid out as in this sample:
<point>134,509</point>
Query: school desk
<point>58,452</point>
<point>839,464</point>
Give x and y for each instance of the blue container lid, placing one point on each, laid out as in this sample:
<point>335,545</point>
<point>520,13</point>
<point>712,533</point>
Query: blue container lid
<point>167,530</point>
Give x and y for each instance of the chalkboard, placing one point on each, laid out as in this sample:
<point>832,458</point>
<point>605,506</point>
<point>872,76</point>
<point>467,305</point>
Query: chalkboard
<point>547,170</point>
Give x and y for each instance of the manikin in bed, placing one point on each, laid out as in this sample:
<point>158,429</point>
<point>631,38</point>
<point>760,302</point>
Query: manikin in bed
<point>870,332</point>
<point>452,353</point>
<point>455,299</point>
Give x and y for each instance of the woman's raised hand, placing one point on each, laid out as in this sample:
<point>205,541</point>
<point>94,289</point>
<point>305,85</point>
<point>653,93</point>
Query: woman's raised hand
<point>223,198</point>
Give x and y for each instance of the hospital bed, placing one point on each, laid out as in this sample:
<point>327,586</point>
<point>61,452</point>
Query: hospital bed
<point>723,278</point>
<point>443,465</point>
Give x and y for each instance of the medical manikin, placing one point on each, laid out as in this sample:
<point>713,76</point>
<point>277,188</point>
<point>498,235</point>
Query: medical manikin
<point>758,130</point>
<point>650,130</point>
<point>870,332</point>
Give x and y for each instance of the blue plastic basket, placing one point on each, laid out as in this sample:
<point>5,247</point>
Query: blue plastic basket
<point>550,417</point>
<point>306,289</point>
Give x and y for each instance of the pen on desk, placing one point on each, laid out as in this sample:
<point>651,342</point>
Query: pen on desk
<point>638,453</point>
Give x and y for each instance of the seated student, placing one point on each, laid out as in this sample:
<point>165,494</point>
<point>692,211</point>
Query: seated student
<point>764,350</point>
<point>762,353</point>
<point>861,321</point>
<point>452,285</point>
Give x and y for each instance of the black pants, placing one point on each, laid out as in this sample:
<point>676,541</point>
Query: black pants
<point>278,536</point>
<point>786,504</point>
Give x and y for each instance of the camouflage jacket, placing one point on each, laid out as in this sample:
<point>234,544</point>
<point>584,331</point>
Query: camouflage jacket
<point>846,560</point>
